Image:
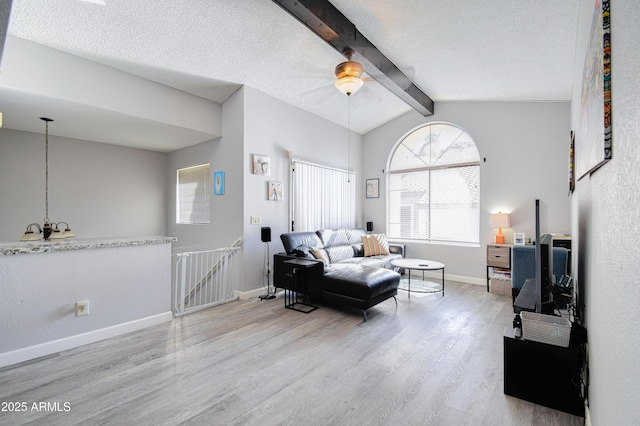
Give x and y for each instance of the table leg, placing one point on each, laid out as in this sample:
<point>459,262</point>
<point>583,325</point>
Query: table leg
<point>442,282</point>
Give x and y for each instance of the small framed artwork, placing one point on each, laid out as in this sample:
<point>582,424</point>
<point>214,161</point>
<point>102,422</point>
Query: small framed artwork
<point>518,238</point>
<point>261,165</point>
<point>572,163</point>
<point>373,188</point>
<point>218,183</point>
<point>275,191</point>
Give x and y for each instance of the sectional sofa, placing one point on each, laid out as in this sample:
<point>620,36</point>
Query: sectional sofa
<point>351,267</point>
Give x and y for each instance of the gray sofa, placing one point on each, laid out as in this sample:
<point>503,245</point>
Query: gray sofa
<point>343,273</point>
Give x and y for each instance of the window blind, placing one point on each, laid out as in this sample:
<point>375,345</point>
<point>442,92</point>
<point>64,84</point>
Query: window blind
<point>321,197</point>
<point>434,186</point>
<point>192,198</point>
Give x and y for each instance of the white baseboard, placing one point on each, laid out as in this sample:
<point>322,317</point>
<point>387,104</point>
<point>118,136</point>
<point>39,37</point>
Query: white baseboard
<point>54,346</point>
<point>437,276</point>
<point>245,295</point>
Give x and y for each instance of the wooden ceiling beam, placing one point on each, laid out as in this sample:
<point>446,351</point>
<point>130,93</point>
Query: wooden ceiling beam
<point>332,26</point>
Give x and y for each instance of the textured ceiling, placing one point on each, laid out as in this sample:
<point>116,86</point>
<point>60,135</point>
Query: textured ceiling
<point>493,50</point>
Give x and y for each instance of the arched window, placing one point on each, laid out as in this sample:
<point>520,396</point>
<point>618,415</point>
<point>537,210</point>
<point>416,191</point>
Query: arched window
<point>433,186</point>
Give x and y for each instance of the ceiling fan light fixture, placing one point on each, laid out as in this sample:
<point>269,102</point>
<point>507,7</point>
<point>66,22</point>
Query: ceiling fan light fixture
<point>349,73</point>
<point>349,85</point>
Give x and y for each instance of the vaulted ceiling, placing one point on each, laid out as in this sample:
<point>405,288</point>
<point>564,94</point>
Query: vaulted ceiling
<point>493,50</point>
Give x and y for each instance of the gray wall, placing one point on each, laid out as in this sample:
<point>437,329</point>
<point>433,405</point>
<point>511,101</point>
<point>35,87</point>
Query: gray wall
<point>605,217</point>
<point>526,146</point>
<point>224,154</point>
<point>255,123</point>
<point>274,128</point>
<point>100,190</point>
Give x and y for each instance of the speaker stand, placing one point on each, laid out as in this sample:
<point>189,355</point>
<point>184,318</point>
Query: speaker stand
<point>269,294</point>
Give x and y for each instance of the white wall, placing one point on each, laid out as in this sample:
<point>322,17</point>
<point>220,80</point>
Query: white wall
<point>100,190</point>
<point>526,147</point>
<point>127,288</point>
<point>274,128</point>
<point>35,69</point>
<point>223,154</point>
<point>255,123</point>
<point>605,220</point>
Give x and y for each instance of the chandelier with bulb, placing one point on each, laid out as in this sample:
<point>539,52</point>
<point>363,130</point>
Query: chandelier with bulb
<point>49,230</point>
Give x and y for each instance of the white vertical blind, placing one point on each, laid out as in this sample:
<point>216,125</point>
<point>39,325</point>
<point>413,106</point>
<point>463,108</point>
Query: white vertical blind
<point>192,195</point>
<point>322,197</point>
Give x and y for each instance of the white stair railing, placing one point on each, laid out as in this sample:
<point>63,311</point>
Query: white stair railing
<point>207,278</point>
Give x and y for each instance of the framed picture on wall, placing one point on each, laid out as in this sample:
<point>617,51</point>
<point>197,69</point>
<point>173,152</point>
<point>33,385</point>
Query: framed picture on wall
<point>218,183</point>
<point>593,136</point>
<point>275,191</point>
<point>373,188</point>
<point>261,164</point>
<point>572,164</point>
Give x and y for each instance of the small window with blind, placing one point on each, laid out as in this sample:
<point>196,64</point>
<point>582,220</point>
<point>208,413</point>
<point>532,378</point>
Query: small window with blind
<point>192,195</point>
<point>433,186</point>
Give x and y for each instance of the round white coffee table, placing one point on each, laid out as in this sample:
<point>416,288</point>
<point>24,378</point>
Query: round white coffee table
<point>420,265</point>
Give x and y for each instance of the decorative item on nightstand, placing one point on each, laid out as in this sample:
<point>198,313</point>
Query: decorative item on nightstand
<point>500,220</point>
<point>518,238</point>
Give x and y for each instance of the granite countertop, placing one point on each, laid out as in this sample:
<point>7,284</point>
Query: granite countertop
<point>29,247</point>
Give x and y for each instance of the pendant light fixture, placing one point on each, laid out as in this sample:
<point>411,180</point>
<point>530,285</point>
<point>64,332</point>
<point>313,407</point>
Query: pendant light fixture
<point>348,83</point>
<point>349,73</point>
<point>49,230</point>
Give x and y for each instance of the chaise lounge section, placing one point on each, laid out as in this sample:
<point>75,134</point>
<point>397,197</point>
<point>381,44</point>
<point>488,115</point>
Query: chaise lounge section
<point>346,272</point>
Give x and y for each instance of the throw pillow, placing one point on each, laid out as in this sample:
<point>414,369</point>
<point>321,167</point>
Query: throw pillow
<point>302,251</point>
<point>319,254</point>
<point>375,244</point>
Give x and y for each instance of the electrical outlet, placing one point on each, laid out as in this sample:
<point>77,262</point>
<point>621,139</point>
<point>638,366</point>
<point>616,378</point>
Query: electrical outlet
<point>82,308</point>
<point>256,220</point>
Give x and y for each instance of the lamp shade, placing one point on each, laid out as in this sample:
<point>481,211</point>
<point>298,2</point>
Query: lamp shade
<point>57,235</point>
<point>30,236</point>
<point>500,220</point>
<point>349,85</point>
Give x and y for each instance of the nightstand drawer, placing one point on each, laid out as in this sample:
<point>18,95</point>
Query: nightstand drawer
<point>499,256</point>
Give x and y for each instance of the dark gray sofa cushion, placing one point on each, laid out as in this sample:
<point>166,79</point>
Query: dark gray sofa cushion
<point>359,281</point>
<point>294,240</point>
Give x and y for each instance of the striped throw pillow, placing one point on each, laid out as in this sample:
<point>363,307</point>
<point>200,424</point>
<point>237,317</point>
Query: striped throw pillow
<point>375,244</point>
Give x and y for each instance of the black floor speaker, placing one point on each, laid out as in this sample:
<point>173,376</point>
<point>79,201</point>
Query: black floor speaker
<point>265,234</point>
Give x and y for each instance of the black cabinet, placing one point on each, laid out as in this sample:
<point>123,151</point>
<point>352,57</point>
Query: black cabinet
<point>545,374</point>
<point>566,243</point>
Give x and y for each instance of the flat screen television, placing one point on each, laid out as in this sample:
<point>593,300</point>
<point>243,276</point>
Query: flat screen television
<point>544,262</point>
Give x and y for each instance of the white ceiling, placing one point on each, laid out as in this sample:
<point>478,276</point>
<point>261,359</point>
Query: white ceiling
<point>490,50</point>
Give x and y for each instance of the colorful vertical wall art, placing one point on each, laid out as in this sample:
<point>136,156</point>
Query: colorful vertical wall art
<point>218,183</point>
<point>593,137</point>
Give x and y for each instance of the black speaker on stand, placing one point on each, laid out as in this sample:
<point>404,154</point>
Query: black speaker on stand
<point>265,236</point>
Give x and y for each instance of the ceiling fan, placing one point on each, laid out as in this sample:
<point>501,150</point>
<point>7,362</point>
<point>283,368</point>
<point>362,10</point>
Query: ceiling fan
<point>349,73</point>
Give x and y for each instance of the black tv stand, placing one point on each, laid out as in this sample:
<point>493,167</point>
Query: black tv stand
<point>544,374</point>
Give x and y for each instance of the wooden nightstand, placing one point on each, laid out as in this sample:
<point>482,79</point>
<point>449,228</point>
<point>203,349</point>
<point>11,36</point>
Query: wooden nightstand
<point>498,260</point>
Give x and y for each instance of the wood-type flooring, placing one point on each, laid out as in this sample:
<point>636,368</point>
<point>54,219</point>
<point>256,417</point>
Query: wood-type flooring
<point>430,360</point>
